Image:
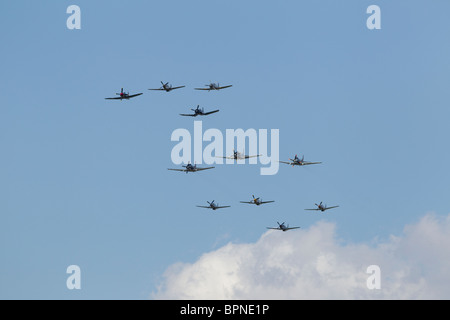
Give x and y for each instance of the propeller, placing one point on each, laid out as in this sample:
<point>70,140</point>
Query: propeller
<point>280,224</point>
<point>188,164</point>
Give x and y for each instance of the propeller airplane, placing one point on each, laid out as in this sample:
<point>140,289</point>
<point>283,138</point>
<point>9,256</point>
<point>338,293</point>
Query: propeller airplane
<point>257,201</point>
<point>213,206</point>
<point>321,207</point>
<point>124,95</point>
<point>283,227</point>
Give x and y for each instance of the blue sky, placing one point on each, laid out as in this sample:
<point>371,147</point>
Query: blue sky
<point>84,180</point>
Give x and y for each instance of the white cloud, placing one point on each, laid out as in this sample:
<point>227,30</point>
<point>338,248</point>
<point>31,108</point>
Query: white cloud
<point>314,264</point>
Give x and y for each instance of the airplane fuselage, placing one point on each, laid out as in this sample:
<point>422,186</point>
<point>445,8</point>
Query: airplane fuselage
<point>190,168</point>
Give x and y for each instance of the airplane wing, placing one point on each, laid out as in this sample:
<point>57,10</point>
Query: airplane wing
<point>134,95</point>
<point>224,87</point>
<point>246,157</point>
<point>273,228</point>
<point>317,209</point>
<point>331,207</point>
<point>187,115</point>
<point>173,88</point>
<point>160,89</point>
<point>182,170</point>
<point>115,98</point>
<point>285,162</point>
<point>223,207</point>
<point>206,113</point>
<point>206,207</point>
<point>306,163</point>
<point>267,201</point>
<point>201,169</point>
<point>249,202</point>
<point>202,88</point>
<point>230,157</point>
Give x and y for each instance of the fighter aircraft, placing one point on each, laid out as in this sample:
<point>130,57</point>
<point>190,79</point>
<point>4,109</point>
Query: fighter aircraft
<point>283,227</point>
<point>167,87</point>
<point>239,156</point>
<point>299,162</point>
<point>257,201</point>
<point>213,86</point>
<point>124,95</point>
<point>321,207</point>
<point>198,112</point>
<point>213,206</point>
<point>191,168</point>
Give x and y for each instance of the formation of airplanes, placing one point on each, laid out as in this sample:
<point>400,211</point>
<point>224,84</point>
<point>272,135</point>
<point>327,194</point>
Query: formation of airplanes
<point>296,161</point>
<point>167,88</point>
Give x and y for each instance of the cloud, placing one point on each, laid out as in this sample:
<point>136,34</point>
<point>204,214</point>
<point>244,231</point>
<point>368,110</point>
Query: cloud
<point>315,264</point>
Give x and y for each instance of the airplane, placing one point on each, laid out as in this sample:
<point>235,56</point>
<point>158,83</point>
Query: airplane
<point>257,201</point>
<point>198,112</point>
<point>213,206</point>
<point>167,87</point>
<point>191,168</point>
<point>124,95</point>
<point>239,156</point>
<point>213,86</point>
<point>321,207</point>
<point>299,162</point>
<point>283,227</point>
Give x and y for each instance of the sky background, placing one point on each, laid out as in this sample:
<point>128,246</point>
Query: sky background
<point>84,180</point>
